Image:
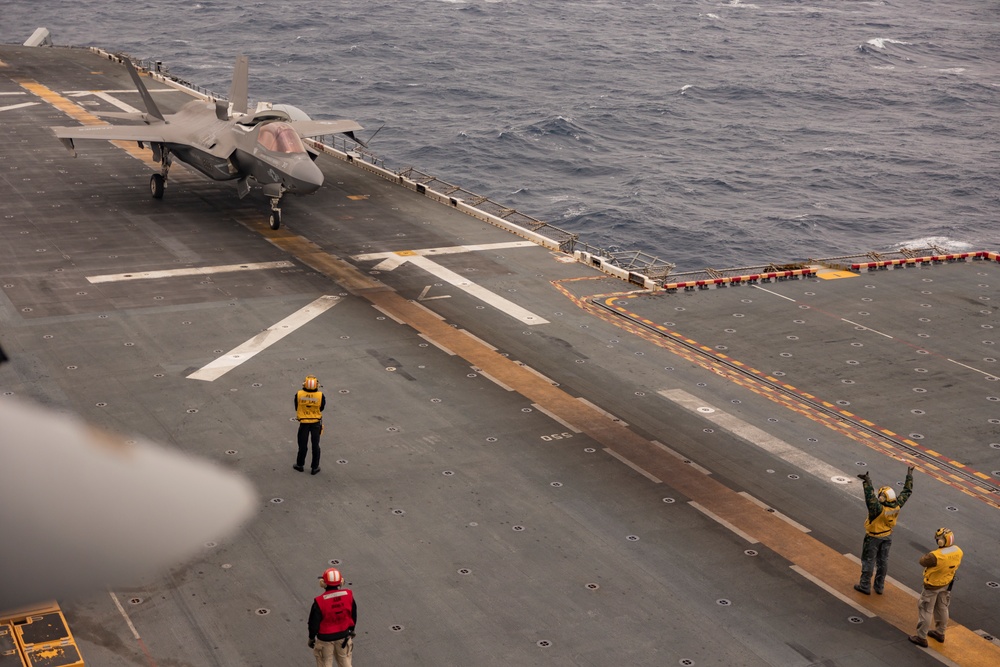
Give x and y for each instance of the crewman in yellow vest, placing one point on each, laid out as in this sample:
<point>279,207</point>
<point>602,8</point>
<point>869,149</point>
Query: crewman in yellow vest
<point>309,404</point>
<point>939,576</point>
<point>883,511</point>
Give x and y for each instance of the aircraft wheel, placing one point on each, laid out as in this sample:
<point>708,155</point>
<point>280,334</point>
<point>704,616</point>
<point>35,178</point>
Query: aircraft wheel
<point>275,219</point>
<point>156,185</point>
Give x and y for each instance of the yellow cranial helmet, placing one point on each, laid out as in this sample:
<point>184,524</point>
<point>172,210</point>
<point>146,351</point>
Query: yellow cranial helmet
<point>886,494</point>
<point>944,537</point>
<point>310,383</point>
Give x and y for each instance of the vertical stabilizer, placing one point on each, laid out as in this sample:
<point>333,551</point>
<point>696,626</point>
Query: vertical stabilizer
<point>238,93</point>
<point>147,99</point>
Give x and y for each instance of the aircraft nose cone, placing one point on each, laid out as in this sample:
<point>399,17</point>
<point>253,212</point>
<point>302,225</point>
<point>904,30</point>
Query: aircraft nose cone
<point>307,176</point>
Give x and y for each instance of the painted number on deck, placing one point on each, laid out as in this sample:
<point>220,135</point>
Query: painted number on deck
<point>557,436</point>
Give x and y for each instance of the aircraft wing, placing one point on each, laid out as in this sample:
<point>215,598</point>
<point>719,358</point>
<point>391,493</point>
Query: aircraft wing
<point>150,133</point>
<point>317,128</point>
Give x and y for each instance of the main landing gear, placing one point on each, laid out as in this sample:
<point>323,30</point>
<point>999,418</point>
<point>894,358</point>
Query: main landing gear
<point>158,182</point>
<point>275,219</point>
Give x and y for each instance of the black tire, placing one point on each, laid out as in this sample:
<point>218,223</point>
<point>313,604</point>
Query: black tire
<point>275,219</point>
<point>156,185</point>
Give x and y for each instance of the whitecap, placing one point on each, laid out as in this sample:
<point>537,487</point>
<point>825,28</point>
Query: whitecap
<point>741,5</point>
<point>938,241</point>
<point>880,42</point>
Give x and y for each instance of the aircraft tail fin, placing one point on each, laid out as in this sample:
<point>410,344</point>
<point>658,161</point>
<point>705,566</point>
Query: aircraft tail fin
<point>238,92</point>
<point>147,99</point>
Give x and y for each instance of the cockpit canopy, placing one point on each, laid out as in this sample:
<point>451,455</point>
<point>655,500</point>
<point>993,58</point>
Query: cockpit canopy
<point>279,137</point>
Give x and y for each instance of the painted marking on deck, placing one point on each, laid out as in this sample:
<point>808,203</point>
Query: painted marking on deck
<point>682,458</point>
<point>989,375</point>
<point>116,102</point>
<point>647,475</point>
<point>861,326</point>
<point>419,257</point>
<point>264,340</point>
<point>11,107</point>
<point>755,436</point>
<point>763,289</point>
<point>770,510</point>
<point>834,592</point>
<point>722,522</point>
<point>193,271</point>
<point>423,295</point>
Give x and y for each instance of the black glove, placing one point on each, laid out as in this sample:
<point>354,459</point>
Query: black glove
<point>909,470</point>
<point>864,477</point>
<point>312,643</point>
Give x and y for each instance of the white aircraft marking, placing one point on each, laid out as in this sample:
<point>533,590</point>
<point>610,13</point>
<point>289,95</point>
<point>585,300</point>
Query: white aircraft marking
<point>227,362</point>
<point>196,271</point>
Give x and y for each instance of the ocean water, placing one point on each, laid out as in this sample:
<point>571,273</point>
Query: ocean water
<point>706,133</point>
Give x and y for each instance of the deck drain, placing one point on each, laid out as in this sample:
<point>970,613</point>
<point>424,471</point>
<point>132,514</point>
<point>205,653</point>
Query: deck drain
<point>398,512</point>
<point>391,429</point>
<point>839,479</point>
<point>257,385</point>
<point>706,410</point>
<point>465,570</point>
<point>709,430</point>
<point>778,373</point>
<point>342,462</point>
<point>920,390</point>
<point>277,501</point>
<point>101,405</point>
<point>191,411</point>
<point>687,662</point>
<point>848,381</point>
<point>334,561</point>
<point>951,508</point>
<point>916,436</point>
<point>396,628</point>
<point>544,643</point>
<point>860,463</point>
<point>723,602</point>
<point>263,612</point>
<point>555,484</point>
<point>517,528</point>
<point>345,391</point>
<point>917,412</point>
<point>594,587</point>
<point>71,368</point>
<point>785,354</point>
<point>448,473</point>
<point>632,538</point>
<point>211,545</point>
<point>526,410</point>
<point>226,566</point>
<point>491,439</point>
<point>792,337</point>
<point>135,601</point>
<point>750,552</point>
<point>843,402</point>
<point>855,619</point>
<point>993,584</point>
<point>591,450</point>
<point>772,419</point>
<point>793,476</point>
<point>668,500</point>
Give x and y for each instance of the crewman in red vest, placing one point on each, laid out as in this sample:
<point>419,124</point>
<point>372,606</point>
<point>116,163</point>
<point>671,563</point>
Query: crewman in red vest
<point>939,576</point>
<point>331,622</point>
<point>883,511</point>
<point>309,404</point>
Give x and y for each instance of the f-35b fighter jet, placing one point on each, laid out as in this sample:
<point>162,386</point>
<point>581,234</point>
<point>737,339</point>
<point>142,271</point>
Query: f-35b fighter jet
<point>223,141</point>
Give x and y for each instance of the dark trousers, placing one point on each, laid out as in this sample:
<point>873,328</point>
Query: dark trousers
<point>307,431</point>
<point>875,557</point>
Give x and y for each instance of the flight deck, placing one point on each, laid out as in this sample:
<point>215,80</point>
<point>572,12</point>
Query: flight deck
<point>526,460</point>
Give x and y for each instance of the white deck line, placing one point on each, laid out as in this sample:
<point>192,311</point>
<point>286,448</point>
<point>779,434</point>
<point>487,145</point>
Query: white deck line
<point>555,418</point>
<point>11,107</point>
<point>388,314</point>
<point>264,340</point>
<point>436,344</point>
<point>607,414</point>
<point>447,250</point>
<point>683,459</point>
<point>715,517</point>
<point>477,339</point>
<point>194,271</point>
<point>755,436</point>
<point>834,592</point>
<point>494,380</point>
<point>486,296</point>
<point>116,102</point>
<point>760,503</point>
<point>633,466</point>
